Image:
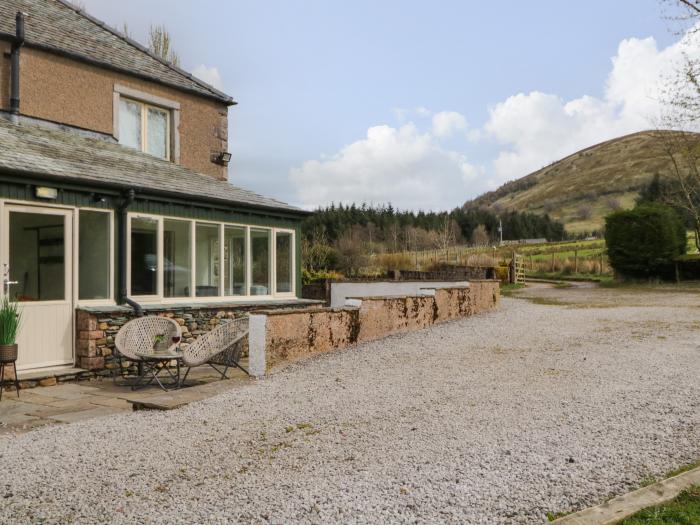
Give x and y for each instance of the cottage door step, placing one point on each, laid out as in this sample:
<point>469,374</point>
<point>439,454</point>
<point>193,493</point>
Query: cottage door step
<point>37,247</point>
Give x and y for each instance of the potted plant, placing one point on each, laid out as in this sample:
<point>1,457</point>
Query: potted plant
<point>10,320</point>
<point>158,343</point>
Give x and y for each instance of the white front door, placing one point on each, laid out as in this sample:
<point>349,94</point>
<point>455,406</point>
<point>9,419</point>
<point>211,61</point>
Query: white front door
<point>37,250</point>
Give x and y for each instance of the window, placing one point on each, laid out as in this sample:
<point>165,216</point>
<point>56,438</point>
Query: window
<point>144,256</point>
<point>144,127</point>
<point>283,260</point>
<point>260,264</point>
<point>177,258</point>
<point>235,257</point>
<point>207,252</point>
<point>94,255</point>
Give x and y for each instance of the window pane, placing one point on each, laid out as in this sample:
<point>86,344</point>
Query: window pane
<point>157,129</point>
<point>234,261</point>
<point>207,267</point>
<point>37,256</point>
<point>144,256</point>
<point>93,255</point>
<point>284,262</point>
<point>177,255</point>
<point>130,123</point>
<point>260,246</point>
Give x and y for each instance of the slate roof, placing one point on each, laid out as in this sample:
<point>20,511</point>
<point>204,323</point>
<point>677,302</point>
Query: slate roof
<point>33,149</point>
<point>55,25</point>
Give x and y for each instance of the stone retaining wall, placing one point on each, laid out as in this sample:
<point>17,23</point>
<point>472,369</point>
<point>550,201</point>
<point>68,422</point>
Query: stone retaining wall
<point>288,334</point>
<point>96,330</point>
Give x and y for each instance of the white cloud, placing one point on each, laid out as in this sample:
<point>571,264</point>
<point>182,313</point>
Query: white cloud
<point>210,75</point>
<point>447,123</point>
<point>412,169</point>
<point>538,128</point>
<point>399,165</point>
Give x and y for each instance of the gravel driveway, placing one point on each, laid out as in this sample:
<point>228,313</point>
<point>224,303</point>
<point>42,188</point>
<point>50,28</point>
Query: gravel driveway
<point>499,418</point>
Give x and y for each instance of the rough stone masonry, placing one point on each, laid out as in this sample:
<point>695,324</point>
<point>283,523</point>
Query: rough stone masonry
<point>281,335</point>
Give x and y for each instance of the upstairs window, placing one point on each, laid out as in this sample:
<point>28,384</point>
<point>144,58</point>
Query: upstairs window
<point>144,127</point>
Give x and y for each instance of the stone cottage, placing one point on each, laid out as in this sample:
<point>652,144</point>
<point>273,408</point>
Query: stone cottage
<point>114,191</point>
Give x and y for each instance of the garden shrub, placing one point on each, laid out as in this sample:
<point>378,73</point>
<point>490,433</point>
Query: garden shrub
<point>645,241</point>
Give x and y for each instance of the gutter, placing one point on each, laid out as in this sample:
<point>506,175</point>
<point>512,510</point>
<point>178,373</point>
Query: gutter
<point>128,199</point>
<point>17,43</point>
<point>225,204</point>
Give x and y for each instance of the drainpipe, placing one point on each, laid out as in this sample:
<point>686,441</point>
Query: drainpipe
<point>14,63</point>
<point>123,207</point>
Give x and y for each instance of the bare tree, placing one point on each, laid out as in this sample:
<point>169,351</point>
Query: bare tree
<point>682,99</point>
<point>127,31</point>
<point>480,236</point>
<point>613,203</point>
<point>160,44</point>
<point>352,252</point>
<point>447,233</point>
<point>584,212</point>
<point>394,234</point>
<point>683,193</point>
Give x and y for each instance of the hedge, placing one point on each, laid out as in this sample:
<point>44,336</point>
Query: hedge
<point>645,241</point>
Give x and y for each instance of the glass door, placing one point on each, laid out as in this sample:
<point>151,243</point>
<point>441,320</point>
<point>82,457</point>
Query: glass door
<point>38,274</point>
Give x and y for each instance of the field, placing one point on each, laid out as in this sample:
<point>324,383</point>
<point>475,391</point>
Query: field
<point>582,259</point>
<point>585,258</point>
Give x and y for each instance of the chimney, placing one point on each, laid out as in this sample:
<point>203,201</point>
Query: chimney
<point>14,63</point>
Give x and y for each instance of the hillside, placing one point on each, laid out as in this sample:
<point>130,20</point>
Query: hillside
<point>582,188</point>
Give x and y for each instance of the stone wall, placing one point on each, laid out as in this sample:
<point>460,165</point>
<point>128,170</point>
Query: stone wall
<point>283,335</point>
<point>96,330</point>
<point>322,289</point>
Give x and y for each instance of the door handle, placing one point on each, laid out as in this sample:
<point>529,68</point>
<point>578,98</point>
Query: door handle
<point>7,284</point>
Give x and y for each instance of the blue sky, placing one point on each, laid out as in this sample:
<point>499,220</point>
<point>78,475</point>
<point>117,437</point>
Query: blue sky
<point>424,104</point>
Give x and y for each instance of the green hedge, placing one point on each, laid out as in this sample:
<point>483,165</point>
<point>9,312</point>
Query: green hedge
<point>645,241</point>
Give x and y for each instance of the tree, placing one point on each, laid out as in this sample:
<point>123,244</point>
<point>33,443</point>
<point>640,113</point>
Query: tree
<point>447,233</point>
<point>683,150</point>
<point>480,236</point>
<point>644,241</point>
<point>159,44</point>
<point>584,212</point>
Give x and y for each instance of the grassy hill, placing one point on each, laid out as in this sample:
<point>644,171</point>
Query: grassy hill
<point>581,189</point>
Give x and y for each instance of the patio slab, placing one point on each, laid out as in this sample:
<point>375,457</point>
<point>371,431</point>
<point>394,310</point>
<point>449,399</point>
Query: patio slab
<point>100,397</point>
<point>82,415</point>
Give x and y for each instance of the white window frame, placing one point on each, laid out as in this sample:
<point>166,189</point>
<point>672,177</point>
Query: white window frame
<point>76,258</point>
<point>159,259</point>
<point>146,100</point>
<point>75,239</point>
<point>293,262</point>
<point>221,298</point>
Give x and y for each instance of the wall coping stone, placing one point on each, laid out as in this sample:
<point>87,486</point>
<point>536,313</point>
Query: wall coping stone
<point>153,307</point>
<point>309,310</point>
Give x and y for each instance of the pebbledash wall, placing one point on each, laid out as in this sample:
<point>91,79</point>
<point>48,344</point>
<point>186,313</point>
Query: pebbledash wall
<point>279,333</point>
<point>282,335</point>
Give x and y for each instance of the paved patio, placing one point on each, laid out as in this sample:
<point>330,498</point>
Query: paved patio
<point>80,400</point>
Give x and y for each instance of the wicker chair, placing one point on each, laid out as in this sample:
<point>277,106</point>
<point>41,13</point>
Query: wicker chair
<point>137,337</point>
<point>221,347</point>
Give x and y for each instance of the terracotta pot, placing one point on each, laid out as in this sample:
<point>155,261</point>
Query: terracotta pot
<point>8,353</point>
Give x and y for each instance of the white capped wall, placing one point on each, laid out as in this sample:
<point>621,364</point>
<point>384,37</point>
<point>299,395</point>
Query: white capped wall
<point>341,291</point>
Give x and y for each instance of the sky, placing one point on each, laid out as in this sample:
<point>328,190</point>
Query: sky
<point>424,104</point>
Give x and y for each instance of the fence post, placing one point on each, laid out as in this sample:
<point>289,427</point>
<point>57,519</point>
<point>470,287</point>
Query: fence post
<point>552,262</point>
<point>575,261</point>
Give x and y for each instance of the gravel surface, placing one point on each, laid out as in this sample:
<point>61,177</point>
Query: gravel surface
<point>499,418</point>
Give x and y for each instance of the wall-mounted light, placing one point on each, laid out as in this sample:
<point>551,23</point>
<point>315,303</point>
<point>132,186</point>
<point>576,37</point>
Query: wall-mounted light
<point>96,197</point>
<point>223,158</point>
<point>43,192</point>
